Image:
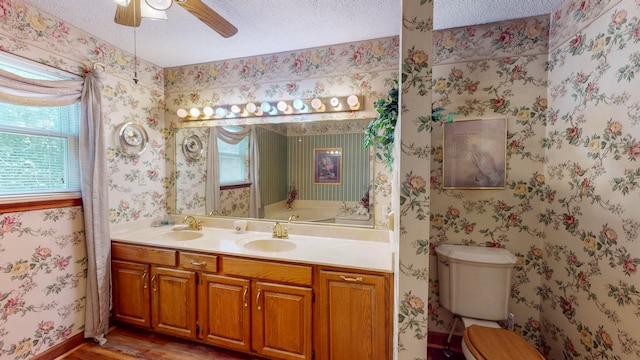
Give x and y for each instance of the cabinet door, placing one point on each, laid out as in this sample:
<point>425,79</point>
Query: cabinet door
<point>353,313</point>
<point>174,301</point>
<point>131,293</point>
<point>224,311</point>
<point>281,320</point>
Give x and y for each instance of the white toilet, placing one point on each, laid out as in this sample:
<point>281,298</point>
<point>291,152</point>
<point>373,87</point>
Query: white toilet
<point>475,284</point>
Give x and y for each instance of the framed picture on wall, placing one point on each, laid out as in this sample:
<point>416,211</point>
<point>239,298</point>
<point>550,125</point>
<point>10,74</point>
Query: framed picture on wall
<point>474,154</point>
<point>327,166</point>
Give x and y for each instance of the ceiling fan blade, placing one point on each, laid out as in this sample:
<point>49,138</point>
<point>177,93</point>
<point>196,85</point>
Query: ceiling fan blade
<point>128,15</point>
<point>209,17</point>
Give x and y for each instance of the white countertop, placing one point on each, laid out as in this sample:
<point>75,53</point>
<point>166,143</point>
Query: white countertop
<point>364,249</point>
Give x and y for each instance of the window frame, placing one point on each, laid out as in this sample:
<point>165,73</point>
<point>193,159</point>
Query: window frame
<point>39,200</point>
<point>246,157</point>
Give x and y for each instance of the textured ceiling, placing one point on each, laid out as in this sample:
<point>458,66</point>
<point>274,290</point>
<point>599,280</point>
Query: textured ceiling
<point>271,26</point>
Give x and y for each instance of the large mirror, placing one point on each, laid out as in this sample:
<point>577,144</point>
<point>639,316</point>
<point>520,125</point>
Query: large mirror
<point>308,171</point>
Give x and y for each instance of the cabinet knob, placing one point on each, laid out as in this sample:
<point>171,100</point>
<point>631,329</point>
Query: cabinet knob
<point>196,263</point>
<point>350,278</point>
<point>244,296</point>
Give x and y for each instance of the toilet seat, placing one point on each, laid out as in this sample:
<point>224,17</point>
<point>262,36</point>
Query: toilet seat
<point>487,343</point>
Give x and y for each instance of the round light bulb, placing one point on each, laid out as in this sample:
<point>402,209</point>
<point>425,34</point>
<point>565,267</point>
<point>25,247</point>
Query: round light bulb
<point>353,101</point>
<point>266,107</point>
<point>194,112</point>
<point>182,113</point>
<point>316,103</point>
<point>221,112</point>
<point>235,109</point>
<point>251,108</point>
<point>207,110</point>
<point>298,104</point>
<point>282,106</point>
<point>334,102</point>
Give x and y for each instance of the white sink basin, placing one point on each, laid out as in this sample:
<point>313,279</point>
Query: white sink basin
<point>180,235</point>
<point>271,245</point>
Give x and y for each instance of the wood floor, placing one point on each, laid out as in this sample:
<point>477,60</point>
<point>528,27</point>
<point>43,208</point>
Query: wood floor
<point>127,343</point>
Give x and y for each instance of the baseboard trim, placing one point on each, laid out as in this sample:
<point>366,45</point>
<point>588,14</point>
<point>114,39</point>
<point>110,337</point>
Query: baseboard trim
<point>62,348</point>
<point>437,340</point>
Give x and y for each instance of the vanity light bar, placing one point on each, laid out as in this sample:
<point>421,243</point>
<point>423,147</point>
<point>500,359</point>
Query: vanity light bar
<point>273,108</point>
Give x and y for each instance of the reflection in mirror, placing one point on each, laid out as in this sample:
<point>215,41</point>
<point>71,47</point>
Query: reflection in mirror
<point>298,179</point>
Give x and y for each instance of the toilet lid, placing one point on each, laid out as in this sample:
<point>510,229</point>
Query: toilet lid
<point>498,344</point>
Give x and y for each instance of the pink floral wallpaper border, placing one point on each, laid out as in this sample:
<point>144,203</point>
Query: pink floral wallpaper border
<point>330,61</point>
<point>521,37</point>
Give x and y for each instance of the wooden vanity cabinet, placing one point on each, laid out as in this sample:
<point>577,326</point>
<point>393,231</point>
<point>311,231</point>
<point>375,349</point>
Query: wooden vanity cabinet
<point>131,297</point>
<point>255,306</point>
<point>282,321</point>
<point>353,318</point>
<point>224,311</point>
<point>150,290</point>
<point>281,314</point>
<point>280,306</point>
<point>173,301</point>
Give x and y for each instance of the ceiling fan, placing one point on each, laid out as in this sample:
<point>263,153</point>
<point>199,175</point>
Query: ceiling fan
<point>128,13</point>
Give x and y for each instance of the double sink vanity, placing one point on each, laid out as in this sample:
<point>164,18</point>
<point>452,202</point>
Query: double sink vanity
<point>301,292</point>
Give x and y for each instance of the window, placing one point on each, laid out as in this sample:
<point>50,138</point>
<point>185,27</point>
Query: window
<point>234,161</point>
<point>38,145</point>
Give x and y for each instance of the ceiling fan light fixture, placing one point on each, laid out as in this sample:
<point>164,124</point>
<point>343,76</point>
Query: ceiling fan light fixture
<point>161,5</point>
<point>148,12</point>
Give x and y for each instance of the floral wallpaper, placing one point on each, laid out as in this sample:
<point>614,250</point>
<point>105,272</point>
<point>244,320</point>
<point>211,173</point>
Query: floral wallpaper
<point>137,184</point>
<point>589,290</point>
<point>564,85</point>
<point>190,174</point>
<point>475,85</point>
<point>42,277</point>
<point>567,211</point>
<point>410,186</point>
<point>43,252</point>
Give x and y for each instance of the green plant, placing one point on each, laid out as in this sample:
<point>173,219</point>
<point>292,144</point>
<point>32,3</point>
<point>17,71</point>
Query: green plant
<point>381,131</point>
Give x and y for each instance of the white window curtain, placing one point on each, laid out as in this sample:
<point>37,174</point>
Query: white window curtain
<point>212,197</point>
<point>17,90</point>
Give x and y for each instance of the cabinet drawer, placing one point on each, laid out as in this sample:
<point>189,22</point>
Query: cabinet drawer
<point>144,254</point>
<point>296,274</point>
<point>194,261</point>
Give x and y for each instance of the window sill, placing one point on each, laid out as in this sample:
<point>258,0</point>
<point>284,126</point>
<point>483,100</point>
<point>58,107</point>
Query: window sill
<point>39,202</point>
<point>235,186</point>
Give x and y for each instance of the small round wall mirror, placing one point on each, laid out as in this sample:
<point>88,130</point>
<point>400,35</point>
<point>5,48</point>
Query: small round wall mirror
<point>192,147</point>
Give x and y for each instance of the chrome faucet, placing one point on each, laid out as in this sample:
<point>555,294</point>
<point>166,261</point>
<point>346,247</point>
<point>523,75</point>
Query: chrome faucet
<point>193,223</point>
<point>214,212</point>
<point>293,217</point>
<point>279,231</point>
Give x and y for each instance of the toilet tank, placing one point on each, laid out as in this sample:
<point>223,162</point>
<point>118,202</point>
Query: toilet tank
<point>475,281</point>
